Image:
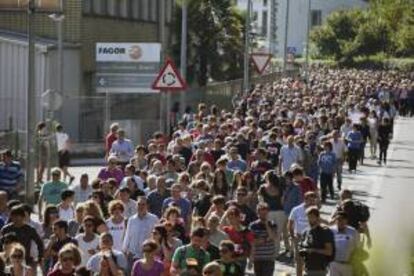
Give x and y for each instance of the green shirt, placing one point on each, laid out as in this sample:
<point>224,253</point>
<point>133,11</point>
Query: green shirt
<point>50,192</point>
<point>188,251</point>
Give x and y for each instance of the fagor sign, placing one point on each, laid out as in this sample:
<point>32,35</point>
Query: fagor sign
<point>128,52</point>
<point>126,67</point>
<point>111,50</point>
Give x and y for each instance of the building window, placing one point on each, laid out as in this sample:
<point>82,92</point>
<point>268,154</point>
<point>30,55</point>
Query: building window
<point>264,3</point>
<point>87,6</point>
<point>169,11</point>
<point>144,4</point>
<point>153,7</point>
<point>316,18</point>
<point>99,7</point>
<point>264,23</point>
<point>135,9</point>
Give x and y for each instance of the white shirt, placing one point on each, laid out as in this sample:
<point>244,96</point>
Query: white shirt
<point>138,180</point>
<point>138,230</point>
<point>66,214</point>
<point>299,218</point>
<point>117,231</point>
<point>85,246</point>
<point>61,140</point>
<point>81,195</point>
<point>345,242</point>
<point>289,156</point>
<point>130,208</point>
<point>339,148</point>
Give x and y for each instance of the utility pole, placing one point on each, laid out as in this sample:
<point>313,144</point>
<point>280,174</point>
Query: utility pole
<point>30,106</point>
<point>307,43</point>
<point>247,48</point>
<point>183,54</point>
<point>161,38</point>
<point>58,20</point>
<point>285,44</point>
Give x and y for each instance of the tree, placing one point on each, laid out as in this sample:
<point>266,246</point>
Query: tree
<point>387,26</point>
<point>215,40</point>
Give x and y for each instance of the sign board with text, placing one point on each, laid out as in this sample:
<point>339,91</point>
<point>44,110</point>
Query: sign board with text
<point>39,5</point>
<point>126,67</point>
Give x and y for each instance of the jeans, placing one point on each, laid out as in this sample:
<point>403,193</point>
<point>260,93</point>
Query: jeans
<point>338,172</point>
<point>264,267</point>
<point>280,218</point>
<point>353,158</point>
<point>383,152</point>
<point>326,183</point>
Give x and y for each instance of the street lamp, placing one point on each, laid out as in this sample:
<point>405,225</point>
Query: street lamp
<point>247,48</point>
<point>58,19</point>
<point>285,44</point>
<point>307,44</point>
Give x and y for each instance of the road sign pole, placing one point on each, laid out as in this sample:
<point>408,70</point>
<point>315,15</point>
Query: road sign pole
<point>31,107</point>
<point>168,114</point>
<point>285,44</point>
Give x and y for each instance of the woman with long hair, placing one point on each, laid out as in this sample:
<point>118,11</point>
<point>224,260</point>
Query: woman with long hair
<point>68,259</point>
<point>91,208</point>
<point>271,192</point>
<point>220,186</point>
<point>50,215</point>
<point>148,265</point>
<point>166,244</point>
<point>18,266</point>
<point>172,215</point>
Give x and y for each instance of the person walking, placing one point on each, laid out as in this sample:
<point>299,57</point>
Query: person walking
<point>354,141</point>
<point>264,244</point>
<point>384,136</point>
<point>63,147</point>
<point>327,166</point>
<point>373,133</point>
<point>139,228</point>
<point>346,241</point>
<point>317,246</point>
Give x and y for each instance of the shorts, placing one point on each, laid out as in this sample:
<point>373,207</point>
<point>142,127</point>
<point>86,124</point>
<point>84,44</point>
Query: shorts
<point>64,158</point>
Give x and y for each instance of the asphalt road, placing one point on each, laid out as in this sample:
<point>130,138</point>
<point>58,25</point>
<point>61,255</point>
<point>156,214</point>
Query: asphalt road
<point>388,191</point>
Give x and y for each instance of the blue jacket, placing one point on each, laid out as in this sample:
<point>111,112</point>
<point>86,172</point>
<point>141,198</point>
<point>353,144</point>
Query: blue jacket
<point>327,162</point>
<point>292,197</point>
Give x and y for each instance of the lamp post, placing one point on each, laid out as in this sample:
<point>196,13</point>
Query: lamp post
<point>58,19</point>
<point>285,44</point>
<point>30,106</point>
<point>183,55</point>
<point>307,43</point>
<point>247,48</point>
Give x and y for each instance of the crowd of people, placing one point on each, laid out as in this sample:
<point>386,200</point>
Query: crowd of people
<point>227,192</point>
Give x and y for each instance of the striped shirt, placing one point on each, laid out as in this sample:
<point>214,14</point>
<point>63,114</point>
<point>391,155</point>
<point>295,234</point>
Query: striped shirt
<point>10,175</point>
<point>265,250</point>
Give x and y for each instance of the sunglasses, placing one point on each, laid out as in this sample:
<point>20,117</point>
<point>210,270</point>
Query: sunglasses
<point>147,250</point>
<point>17,256</point>
<point>67,259</point>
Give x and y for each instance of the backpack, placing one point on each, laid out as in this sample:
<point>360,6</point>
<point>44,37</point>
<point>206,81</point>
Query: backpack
<point>357,212</point>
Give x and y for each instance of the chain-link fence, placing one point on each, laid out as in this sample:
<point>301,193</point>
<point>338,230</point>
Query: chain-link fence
<point>87,118</point>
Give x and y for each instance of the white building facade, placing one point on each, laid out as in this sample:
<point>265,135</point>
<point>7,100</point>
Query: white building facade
<point>272,35</point>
